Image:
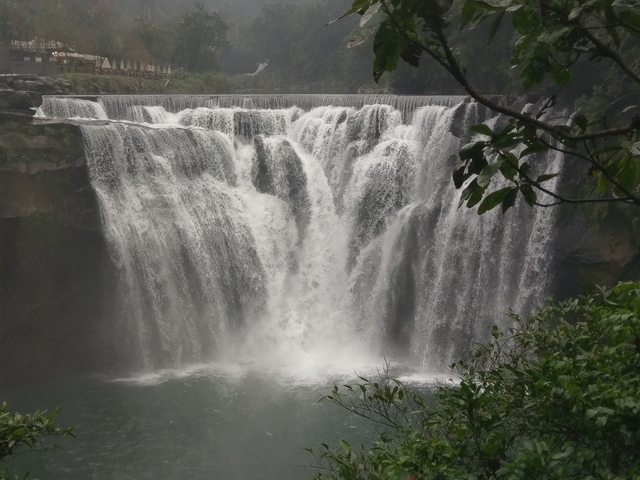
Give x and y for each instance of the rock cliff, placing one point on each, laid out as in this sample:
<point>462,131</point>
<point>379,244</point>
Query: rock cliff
<point>596,244</point>
<point>54,270</point>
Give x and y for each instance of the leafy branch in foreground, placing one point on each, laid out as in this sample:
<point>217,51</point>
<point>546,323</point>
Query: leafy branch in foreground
<point>555,398</point>
<point>25,433</point>
<point>552,37</point>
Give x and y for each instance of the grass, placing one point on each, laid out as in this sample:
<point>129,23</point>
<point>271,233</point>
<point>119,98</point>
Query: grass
<point>181,82</point>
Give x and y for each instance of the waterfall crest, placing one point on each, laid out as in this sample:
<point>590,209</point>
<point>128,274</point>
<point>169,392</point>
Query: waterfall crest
<point>289,226</point>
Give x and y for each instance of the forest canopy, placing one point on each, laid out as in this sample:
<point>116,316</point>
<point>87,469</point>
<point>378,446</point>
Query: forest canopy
<point>301,52</point>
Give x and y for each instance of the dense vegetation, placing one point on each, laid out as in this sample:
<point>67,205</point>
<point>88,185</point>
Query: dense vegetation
<point>554,398</point>
<point>233,38</point>
<point>24,433</point>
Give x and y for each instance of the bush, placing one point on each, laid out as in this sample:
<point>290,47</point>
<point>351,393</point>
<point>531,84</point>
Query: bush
<point>22,433</point>
<point>558,397</point>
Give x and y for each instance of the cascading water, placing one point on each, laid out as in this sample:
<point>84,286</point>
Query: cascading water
<point>288,230</point>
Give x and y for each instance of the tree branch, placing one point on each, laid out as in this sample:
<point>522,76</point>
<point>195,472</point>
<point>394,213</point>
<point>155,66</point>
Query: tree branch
<point>452,66</point>
<point>613,55</point>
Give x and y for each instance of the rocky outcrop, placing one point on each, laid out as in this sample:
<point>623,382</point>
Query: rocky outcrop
<point>24,93</point>
<point>54,268</point>
<point>600,247</point>
<point>43,172</point>
<point>43,85</point>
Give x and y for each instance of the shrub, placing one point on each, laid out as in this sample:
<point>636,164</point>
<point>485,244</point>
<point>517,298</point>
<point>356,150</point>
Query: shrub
<point>558,397</point>
<point>22,433</point>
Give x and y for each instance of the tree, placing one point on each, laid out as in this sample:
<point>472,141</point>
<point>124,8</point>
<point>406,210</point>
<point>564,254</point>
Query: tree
<point>16,20</point>
<point>23,433</point>
<point>555,398</point>
<point>155,42</point>
<point>553,39</point>
<point>198,35</point>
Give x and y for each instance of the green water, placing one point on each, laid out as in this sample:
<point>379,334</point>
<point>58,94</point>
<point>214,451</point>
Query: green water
<point>200,426</point>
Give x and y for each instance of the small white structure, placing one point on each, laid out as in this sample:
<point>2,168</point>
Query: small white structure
<point>106,64</point>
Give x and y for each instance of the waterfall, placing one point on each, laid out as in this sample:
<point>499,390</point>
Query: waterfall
<point>119,106</point>
<point>302,228</point>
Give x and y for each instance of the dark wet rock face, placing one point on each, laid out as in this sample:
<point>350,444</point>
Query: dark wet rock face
<point>24,93</point>
<point>44,85</point>
<point>278,171</point>
<point>601,251</point>
<point>54,267</point>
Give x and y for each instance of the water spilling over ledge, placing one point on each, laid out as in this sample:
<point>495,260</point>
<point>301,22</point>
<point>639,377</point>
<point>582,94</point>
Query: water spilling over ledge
<point>313,231</point>
<point>118,106</point>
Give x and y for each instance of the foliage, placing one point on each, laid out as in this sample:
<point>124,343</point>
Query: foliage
<point>553,38</point>
<point>23,433</point>
<point>154,42</point>
<point>555,398</point>
<point>303,55</point>
<point>199,33</point>
<point>301,52</point>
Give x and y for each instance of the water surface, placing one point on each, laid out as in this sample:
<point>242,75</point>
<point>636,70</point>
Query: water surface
<point>201,425</point>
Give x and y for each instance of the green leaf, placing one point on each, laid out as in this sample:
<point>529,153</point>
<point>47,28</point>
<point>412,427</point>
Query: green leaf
<point>495,26</point>
<point>546,177</point>
<point>603,183</point>
<point>345,447</point>
<point>493,200</point>
<point>473,12</point>
<point>574,13</point>
<point>476,194</point>
<point>472,150</point>
<point>487,173</point>
<point>523,49</point>
<point>530,196</point>
<point>581,121</point>
<point>561,74</point>
<point>631,22</point>
<point>532,150</point>
<point>509,199</point>
<point>508,166</point>
<point>533,73</point>
<point>472,154</point>
<point>369,14</point>
<point>468,12</point>
<point>388,45</point>
<point>636,304</point>
<point>358,6</point>
<point>482,129</point>
<point>412,55</point>
<point>629,173</point>
<point>525,20</point>
<point>468,191</point>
